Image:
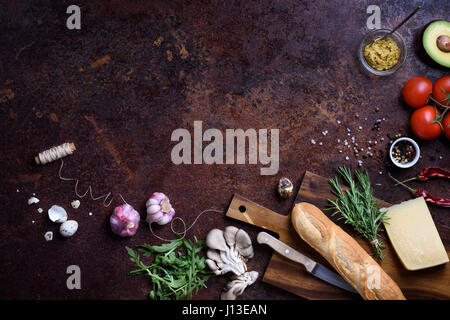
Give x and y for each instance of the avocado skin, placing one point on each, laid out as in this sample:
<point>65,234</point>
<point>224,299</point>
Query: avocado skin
<point>435,29</point>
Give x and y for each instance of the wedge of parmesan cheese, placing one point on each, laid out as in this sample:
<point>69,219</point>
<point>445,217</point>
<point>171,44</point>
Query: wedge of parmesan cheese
<point>414,236</point>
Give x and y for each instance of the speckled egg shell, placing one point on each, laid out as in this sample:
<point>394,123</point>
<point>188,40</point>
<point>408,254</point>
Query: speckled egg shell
<point>68,228</point>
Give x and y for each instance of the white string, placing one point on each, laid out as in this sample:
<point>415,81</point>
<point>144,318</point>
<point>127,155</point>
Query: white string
<point>55,153</point>
<point>107,203</point>
<point>106,196</point>
<point>185,230</point>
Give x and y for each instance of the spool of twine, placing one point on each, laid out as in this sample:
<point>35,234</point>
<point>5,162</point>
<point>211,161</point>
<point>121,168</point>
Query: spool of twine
<point>55,153</point>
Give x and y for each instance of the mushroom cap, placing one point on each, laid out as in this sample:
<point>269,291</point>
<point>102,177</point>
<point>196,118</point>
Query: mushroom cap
<point>215,256</point>
<point>244,244</point>
<point>215,240</point>
<point>211,264</point>
<point>230,235</point>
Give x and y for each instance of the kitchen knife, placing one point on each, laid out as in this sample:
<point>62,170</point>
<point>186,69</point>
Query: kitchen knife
<point>315,268</point>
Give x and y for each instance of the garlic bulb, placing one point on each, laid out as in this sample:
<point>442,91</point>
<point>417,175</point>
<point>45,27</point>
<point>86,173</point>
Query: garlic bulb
<point>159,209</point>
<point>124,220</point>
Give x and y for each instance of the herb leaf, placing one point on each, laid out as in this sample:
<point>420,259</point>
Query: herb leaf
<point>177,271</point>
<point>358,207</point>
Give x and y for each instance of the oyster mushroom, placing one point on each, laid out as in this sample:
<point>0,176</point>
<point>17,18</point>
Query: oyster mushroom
<point>235,288</point>
<point>229,251</point>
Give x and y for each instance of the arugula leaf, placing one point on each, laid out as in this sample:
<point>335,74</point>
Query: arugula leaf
<point>177,271</point>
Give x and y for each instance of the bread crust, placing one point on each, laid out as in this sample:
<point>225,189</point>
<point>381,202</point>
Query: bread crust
<point>349,259</point>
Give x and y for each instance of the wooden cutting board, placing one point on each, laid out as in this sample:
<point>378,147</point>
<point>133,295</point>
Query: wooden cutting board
<point>432,283</point>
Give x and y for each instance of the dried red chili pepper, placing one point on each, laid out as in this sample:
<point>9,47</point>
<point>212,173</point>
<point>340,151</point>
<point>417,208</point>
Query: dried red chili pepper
<point>428,173</point>
<point>419,192</point>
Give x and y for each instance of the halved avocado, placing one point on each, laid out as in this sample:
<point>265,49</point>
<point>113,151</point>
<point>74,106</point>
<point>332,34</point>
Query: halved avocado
<point>436,29</point>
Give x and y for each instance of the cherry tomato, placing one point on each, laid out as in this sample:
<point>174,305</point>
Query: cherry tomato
<point>438,93</point>
<point>446,124</point>
<point>423,123</point>
<point>416,91</point>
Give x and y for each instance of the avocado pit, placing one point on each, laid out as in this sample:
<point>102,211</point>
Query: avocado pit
<point>443,43</point>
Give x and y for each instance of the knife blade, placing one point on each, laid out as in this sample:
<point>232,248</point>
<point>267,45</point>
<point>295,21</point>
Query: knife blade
<point>313,267</point>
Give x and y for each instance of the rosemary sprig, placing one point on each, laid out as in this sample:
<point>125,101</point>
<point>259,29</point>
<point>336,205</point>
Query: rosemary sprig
<point>357,207</point>
<point>177,271</point>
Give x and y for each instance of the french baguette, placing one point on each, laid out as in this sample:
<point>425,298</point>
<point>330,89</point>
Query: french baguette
<point>349,259</point>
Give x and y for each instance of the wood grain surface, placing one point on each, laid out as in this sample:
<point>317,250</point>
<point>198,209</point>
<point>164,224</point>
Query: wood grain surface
<point>432,283</point>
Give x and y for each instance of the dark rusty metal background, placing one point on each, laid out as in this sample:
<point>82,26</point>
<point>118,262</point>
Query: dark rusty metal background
<point>136,71</point>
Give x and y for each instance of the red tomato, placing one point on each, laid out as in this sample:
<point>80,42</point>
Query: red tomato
<point>423,123</point>
<point>438,93</point>
<point>416,91</point>
<point>446,125</point>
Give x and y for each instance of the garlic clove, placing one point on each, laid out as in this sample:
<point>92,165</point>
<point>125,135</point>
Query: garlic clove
<point>154,217</point>
<point>165,219</point>
<point>75,204</point>
<point>57,214</point>
<point>151,201</point>
<point>153,209</point>
<point>48,236</point>
<point>33,200</point>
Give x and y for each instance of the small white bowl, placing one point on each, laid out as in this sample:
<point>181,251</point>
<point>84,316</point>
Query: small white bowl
<point>411,163</point>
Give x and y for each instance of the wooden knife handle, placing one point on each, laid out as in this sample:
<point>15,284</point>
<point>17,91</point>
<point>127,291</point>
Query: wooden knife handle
<point>285,250</point>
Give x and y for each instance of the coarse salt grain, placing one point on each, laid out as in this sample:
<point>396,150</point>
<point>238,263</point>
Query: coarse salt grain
<point>313,141</point>
<point>320,143</point>
<point>346,158</point>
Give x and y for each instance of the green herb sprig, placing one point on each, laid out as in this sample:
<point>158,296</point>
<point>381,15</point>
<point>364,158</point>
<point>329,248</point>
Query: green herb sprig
<point>358,207</point>
<point>176,272</point>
